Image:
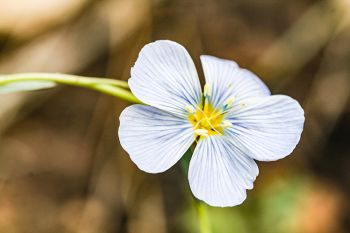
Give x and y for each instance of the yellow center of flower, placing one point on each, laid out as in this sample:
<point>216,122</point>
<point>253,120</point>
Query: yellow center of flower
<point>206,120</point>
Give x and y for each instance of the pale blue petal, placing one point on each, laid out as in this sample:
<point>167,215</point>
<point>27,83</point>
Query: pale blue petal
<point>164,76</point>
<point>154,139</point>
<point>227,80</point>
<point>267,128</point>
<point>220,173</point>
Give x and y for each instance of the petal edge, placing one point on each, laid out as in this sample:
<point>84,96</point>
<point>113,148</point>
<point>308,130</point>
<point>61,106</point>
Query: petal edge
<point>269,128</point>
<point>219,173</point>
<point>164,76</point>
<point>154,139</point>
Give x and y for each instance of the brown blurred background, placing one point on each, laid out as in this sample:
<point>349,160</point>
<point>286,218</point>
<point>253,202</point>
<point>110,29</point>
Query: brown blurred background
<point>62,168</point>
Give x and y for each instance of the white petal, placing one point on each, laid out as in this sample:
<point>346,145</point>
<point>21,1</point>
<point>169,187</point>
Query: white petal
<point>268,127</point>
<point>164,76</point>
<point>154,139</point>
<point>220,173</point>
<point>227,80</point>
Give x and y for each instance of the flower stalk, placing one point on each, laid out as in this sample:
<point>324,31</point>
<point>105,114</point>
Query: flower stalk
<point>203,218</point>
<point>116,88</point>
<point>200,207</point>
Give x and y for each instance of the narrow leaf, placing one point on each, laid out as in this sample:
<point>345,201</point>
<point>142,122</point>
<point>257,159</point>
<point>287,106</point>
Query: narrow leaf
<point>25,86</point>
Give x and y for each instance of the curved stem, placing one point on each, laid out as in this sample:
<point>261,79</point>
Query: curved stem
<point>116,88</point>
<point>68,79</point>
<point>117,92</point>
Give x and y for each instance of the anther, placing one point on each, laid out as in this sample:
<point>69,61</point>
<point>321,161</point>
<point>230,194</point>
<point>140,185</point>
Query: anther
<point>207,90</point>
<point>226,124</point>
<point>190,109</point>
<point>229,102</point>
<point>201,132</point>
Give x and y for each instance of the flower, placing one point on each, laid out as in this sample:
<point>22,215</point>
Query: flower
<point>234,121</point>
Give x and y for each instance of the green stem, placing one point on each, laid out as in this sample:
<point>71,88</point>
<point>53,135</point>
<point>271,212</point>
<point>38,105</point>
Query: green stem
<point>203,218</point>
<point>117,92</point>
<point>68,79</point>
<point>200,207</point>
<point>116,88</point>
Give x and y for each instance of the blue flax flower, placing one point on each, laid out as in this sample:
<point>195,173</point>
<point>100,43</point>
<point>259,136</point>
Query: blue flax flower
<point>234,121</point>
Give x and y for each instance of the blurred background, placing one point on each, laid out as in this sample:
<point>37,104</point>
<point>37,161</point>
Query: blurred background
<point>62,168</point>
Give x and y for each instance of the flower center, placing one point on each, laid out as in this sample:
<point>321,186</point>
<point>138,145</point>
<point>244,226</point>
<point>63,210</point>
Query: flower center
<point>207,121</point>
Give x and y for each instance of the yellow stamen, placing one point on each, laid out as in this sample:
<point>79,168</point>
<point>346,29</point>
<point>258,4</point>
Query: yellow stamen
<point>226,124</point>
<point>201,132</point>
<point>207,90</point>
<point>190,109</point>
<point>208,119</point>
<point>229,102</point>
